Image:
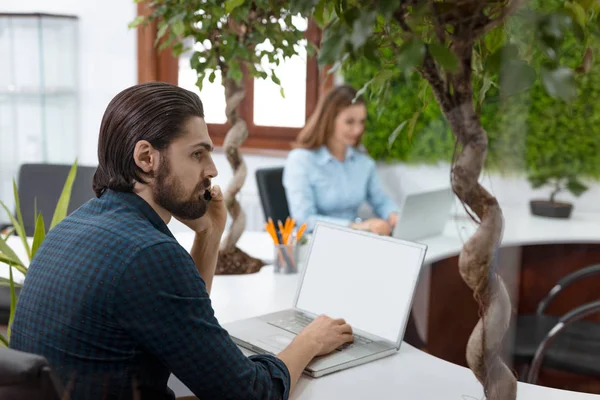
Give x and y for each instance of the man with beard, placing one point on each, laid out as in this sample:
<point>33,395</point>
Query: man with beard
<point>115,303</point>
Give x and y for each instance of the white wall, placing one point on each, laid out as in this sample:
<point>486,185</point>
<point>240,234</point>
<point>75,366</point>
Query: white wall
<point>511,191</point>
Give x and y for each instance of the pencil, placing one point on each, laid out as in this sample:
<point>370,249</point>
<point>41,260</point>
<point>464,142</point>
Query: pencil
<point>300,231</point>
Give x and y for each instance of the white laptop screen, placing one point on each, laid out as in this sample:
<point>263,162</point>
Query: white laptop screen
<point>369,281</point>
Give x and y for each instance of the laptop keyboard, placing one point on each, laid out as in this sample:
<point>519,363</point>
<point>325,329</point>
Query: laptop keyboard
<point>298,322</point>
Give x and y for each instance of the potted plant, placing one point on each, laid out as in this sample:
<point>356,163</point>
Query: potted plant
<point>9,257</point>
<point>559,181</point>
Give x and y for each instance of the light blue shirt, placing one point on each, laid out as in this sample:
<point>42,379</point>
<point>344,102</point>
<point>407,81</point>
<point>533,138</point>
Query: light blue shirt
<point>320,187</point>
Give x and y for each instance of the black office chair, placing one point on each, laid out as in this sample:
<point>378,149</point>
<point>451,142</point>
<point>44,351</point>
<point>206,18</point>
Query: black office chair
<point>27,376</point>
<point>40,186</point>
<point>5,303</point>
<point>272,193</point>
<point>566,343</point>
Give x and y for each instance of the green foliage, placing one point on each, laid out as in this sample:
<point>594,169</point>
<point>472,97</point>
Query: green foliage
<point>533,133</point>
<point>226,35</point>
<point>8,255</point>
<point>525,87</point>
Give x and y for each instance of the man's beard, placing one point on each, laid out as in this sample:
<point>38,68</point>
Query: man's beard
<point>169,194</point>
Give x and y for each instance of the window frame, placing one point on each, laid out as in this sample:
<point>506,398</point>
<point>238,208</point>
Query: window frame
<point>155,65</point>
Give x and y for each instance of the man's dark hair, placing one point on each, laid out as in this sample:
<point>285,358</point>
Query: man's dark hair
<point>154,112</point>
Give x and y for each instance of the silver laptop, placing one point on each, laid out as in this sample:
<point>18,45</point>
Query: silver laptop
<point>424,214</point>
<point>368,280</point>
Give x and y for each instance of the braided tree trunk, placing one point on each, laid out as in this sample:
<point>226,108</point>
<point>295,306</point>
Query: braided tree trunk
<point>231,259</point>
<point>484,345</point>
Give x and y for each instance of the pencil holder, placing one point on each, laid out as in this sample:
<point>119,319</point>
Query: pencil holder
<point>286,259</point>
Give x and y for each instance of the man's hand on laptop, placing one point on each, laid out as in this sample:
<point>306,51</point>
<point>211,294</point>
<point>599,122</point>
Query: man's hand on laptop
<point>320,337</point>
<point>327,333</point>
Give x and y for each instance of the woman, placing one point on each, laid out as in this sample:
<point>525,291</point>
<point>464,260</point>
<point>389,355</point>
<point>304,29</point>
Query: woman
<point>327,178</point>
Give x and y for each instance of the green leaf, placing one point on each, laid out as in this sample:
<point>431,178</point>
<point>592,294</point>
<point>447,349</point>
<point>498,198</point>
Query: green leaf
<point>7,254</point>
<point>505,54</point>
<point>363,89</point>
<point>62,206</point>
<point>516,77</point>
<point>495,39</point>
<point>553,27</point>
<point>39,235</point>
<point>560,83</point>
<point>395,134</point>
<point>136,22</point>
<point>331,46</point>
<point>178,27</point>
<point>383,76</point>
<point>444,57</point>
<point>275,79</point>
<point>576,187</point>
<point>587,4</point>
<point>579,17</point>
<point>13,301</point>
<point>6,283</point>
<point>282,92</point>
<point>412,124</point>
<point>7,260</point>
<point>537,181</point>
<point>235,73</point>
<point>231,5</point>
<point>20,227</point>
<point>319,13</point>
<point>362,28</point>
<point>387,7</point>
<point>577,13</point>
<point>23,238</point>
<point>200,82</point>
<point>487,83</point>
<point>424,91</point>
<point>411,55</point>
<point>161,31</point>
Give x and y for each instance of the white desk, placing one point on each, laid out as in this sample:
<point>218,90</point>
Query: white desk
<point>410,374</point>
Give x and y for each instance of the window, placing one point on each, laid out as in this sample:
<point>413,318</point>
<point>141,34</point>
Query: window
<point>213,94</point>
<point>270,108</point>
<point>273,121</point>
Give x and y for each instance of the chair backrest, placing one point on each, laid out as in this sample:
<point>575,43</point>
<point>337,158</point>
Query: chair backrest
<point>27,376</point>
<point>5,303</point>
<point>272,193</point>
<point>40,186</point>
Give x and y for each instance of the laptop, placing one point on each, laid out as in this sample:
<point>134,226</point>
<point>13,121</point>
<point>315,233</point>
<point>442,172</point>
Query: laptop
<point>424,214</point>
<point>367,279</point>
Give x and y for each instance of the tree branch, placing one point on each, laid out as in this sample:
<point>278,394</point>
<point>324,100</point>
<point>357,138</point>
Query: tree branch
<point>506,12</point>
<point>400,17</point>
<point>430,71</point>
<point>440,30</point>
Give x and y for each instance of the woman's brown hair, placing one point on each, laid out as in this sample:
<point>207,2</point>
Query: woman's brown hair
<point>320,125</point>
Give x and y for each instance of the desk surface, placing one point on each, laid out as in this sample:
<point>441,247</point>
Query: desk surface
<point>410,373</point>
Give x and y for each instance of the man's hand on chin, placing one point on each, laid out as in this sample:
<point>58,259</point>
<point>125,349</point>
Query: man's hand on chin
<point>212,223</point>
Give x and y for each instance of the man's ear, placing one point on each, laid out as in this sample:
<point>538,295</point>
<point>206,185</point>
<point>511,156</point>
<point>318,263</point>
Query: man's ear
<point>146,157</point>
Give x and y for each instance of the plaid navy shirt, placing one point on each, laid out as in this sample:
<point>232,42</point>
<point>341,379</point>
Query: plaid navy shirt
<point>113,301</point>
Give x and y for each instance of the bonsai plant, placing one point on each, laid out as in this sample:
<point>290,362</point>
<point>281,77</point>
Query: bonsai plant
<point>461,49</point>
<point>230,33</point>
<point>559,181</point>
<point>9,257</point>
